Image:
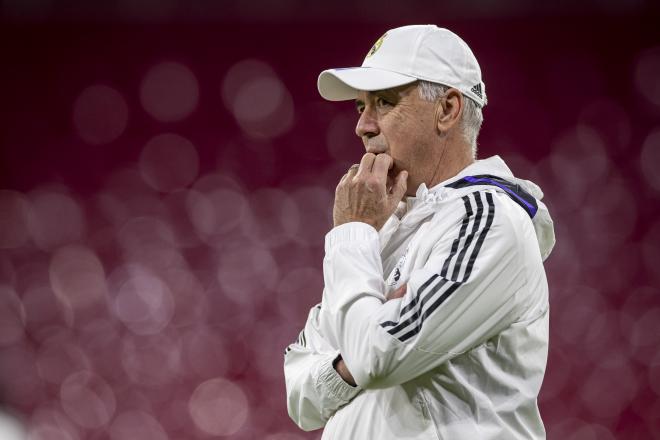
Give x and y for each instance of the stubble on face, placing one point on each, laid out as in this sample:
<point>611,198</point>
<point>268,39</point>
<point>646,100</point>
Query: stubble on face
<point>413,137</point>
<point>406,132</point>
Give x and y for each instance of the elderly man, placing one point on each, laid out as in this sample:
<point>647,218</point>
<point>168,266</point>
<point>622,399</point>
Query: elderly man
<point>434,318</point>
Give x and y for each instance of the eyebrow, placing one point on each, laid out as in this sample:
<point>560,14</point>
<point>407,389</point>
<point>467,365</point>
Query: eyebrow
<point>390,95</point>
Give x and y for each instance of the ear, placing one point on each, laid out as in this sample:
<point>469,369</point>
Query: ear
<point>448,110</point>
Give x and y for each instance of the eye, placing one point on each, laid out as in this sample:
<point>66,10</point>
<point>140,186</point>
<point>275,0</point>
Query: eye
<point>360,109</point>
<point>382,102</point>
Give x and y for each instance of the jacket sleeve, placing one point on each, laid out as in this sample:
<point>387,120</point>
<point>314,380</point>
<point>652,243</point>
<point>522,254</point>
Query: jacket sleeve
<point>314,389</point>
<point>469,289</point>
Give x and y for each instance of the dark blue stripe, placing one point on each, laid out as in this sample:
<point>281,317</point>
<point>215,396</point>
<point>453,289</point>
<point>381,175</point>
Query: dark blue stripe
<point>513,190</point>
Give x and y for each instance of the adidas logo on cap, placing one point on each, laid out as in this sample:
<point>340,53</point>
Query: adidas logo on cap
<point>477,90</point>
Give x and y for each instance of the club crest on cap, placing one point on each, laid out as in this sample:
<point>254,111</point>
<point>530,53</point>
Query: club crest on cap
<point>376,45</point>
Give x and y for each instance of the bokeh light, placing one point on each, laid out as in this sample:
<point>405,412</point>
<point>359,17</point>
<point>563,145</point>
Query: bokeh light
<point>48,432</point>
<point>13,219</point>
<point>26,388</point>
<point>260,102</point>
<point>610,120</point>
<point>12,317</point>
<point>218,407</point>
<point>77,277</point>
<point>649,159</point>
<point>297,284</point>
<point>576,429</point>
<point>216,207</point>
<point>88,400</point>
<point>169,162</point>
<point>55,219</point>
<point>100,114</point>
<point>152,360</point>
<point>647,75</point>
<point>144,303</point>
<point>245,287</point>
<point>58,356</point>
<point>50,422</point>
<point>136,424</point>
<point>282,214</point>
<point>169,92</point>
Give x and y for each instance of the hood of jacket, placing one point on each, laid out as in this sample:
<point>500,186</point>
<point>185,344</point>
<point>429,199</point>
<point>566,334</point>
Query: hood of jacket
<point>494,173</point>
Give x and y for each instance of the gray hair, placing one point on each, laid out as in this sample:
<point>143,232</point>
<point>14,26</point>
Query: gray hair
<point>471,119</point>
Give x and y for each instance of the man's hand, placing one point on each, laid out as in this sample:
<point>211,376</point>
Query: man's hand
<point>398,293</point>
<point>362,194</point>
<point>340,366</point>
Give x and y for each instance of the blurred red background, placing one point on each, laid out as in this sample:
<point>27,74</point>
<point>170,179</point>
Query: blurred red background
<point>166,179</point>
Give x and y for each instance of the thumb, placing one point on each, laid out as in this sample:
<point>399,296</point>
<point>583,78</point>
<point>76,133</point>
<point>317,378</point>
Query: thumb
<point>399,187</point>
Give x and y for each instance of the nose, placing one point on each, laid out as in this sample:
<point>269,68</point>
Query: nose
<point>367,125</point>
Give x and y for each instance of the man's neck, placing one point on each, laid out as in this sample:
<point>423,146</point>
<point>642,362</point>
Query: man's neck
<point>450,166</point>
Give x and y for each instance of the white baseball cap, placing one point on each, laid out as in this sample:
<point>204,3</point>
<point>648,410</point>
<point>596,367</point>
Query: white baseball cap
<point>405,55</point>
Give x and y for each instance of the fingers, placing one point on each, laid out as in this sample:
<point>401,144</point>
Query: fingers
<point>377,164</point>
<point>366,164</point>
<point>382,165</point>
<point>398,293</point>
<point>352,171</point>
<point>400,186</point>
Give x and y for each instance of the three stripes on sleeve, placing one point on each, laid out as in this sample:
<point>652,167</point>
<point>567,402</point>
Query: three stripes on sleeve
<point>455,270</point>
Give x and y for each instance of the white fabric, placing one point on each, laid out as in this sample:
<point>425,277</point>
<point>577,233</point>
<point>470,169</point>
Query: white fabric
<point>472,367</point>
<point>406,54</point>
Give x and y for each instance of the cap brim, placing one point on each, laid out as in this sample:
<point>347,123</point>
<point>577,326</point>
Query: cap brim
<point>343,84</point>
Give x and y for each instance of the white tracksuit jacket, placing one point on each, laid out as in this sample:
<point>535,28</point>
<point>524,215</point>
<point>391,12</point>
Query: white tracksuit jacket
<point>462,355</point>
